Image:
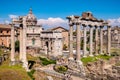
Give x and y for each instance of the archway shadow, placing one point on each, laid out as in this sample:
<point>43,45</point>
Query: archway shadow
<point>31,63</point>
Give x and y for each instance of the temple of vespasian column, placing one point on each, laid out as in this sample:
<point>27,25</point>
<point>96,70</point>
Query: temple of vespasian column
<point>21,21</point>
<point>88,20</point>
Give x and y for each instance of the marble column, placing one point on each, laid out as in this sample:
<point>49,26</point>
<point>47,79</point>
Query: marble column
<point>49,48</point>
<point>21,43</point>
<point>25,62</point>
<point>78,42</point>
<point>101,39</point>
<point>85,39</point>
<point>109,39</point>
<point>96,40</point>
<point>12,45</point>
<point>71,41</point>
<point>91,41</point>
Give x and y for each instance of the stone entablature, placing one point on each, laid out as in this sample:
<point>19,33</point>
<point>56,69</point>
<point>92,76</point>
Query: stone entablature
<point>51,34</point>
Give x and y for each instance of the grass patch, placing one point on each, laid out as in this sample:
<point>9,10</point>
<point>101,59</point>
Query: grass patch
<point>31,74</point>
<point>46,61</point>
<point>117,64</point>
<point>15,72</point>
<point>61,68</point>
<point>95,58</point>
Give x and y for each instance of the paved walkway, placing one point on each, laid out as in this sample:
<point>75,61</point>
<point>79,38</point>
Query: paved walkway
<point>76,78</point>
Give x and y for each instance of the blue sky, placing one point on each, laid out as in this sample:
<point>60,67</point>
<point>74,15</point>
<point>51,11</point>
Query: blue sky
<point>45,9</point>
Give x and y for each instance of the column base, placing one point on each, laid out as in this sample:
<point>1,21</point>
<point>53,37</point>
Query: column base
<point>70,58</point>
<point>102,53</point>
<point>108,54</point>
<point>91,55</point>
<point>79,61</point>
<point>96,54</point>
<point>25,65</point>
<point>12,63</point>
<point>84,56</point>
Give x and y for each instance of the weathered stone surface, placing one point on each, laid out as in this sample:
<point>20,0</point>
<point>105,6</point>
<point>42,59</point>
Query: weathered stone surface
<point>104,70</point>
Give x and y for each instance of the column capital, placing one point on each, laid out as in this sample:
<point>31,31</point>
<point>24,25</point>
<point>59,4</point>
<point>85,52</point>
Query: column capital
<point>96,26</point>
<point>71,24</point>
<point>108,26</point>
<point>77,23</point>
<point>90,26</point>
<point>101,26</point>
<point>84,25</point>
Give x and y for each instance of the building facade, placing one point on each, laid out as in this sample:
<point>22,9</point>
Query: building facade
<point>115,37</point>
<point>65,35</point>
<point>37,39</point>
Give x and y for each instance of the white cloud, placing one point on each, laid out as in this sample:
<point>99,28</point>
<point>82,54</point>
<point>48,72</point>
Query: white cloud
<point>12,16</point>
<point>53,22</point>
<point>114,22</point>
<point>7,22</point>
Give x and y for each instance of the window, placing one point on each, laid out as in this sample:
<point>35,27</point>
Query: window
<point>7,31</point>
<point>1,31</point>
<point>33,41</point>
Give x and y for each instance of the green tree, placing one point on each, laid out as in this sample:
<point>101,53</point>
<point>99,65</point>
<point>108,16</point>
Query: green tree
<point>17,45</point>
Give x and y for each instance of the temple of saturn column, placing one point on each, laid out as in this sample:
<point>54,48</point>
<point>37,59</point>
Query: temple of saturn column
<point>87,20</point>
<point>22,57</point>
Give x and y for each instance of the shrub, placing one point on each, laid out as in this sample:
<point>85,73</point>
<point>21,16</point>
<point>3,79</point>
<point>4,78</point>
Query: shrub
<point>31,74</point>
<point>46,61</point>
<point>60,68</point>
<point>64,47</point>
<point>17,46</point>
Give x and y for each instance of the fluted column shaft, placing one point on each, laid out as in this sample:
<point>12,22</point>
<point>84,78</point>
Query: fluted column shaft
<point>24,42</point>
<point>25,62</point>
<point>49,48</point>
<point>12,44</point>
<point>91,40</point>
<point>21,43</point>
<point>101,39</point>
<point>78,42</point>
<point>85,39</point>
<point>71,42</point>
<point>109,40</point>
<point>96,40</point>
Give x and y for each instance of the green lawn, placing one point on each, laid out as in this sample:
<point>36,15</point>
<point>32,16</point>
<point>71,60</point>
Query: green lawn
<point>15,72</point>
<point>95,58</point>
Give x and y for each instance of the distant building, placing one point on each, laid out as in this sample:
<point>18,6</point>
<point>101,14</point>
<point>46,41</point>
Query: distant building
<point>51,41</point>
<point>64,34</point>
<point>115,37</point>
<point>33,31</point>
<point>5,32</point>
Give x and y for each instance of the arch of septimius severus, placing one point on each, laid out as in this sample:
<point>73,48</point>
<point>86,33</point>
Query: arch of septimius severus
<point>88,20</point>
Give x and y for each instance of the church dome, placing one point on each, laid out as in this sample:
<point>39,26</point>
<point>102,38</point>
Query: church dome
<point>31,19</point>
